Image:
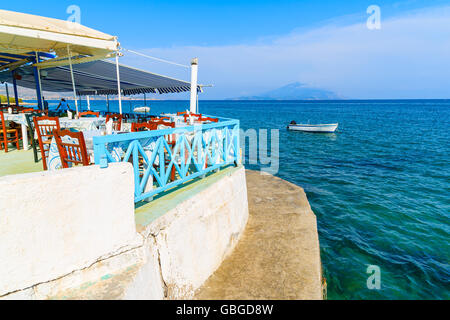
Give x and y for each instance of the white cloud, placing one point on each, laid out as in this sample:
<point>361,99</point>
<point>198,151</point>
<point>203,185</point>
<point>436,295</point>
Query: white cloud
<point>408,58</point>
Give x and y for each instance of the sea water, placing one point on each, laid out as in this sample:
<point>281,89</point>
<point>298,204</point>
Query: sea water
<point>379,186</point>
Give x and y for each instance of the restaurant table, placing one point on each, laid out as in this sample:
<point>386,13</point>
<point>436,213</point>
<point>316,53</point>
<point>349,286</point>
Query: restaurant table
<point>88,123</point>
<point>81,124</point>
<point>22,120</point>
<point>116,149</point>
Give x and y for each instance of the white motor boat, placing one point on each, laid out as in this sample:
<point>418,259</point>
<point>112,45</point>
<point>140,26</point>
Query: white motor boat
<point>142,109</point>
<point>331,127</point>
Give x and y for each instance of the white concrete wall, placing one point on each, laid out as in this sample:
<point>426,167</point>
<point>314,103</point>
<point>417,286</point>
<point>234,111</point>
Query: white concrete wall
<point>171,258</point>
<point>54,223</point>
<point>194,238</point>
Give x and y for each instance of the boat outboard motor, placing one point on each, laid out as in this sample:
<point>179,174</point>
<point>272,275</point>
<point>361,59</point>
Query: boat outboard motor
<point>292,122</point>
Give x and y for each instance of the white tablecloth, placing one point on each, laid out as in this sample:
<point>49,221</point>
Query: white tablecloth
<point>116,149</point>
<point>20,119</point>
<point>82,124</point>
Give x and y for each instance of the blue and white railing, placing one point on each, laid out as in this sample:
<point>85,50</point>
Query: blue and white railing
<point>159,166</point>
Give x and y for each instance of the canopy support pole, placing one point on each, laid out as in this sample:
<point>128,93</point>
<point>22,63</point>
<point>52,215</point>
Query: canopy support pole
<point>73,81</point>
<point>37,78</point>
<point>88,103</point>
<point>107,103</point>
<point>7,93</point>
<point>194,74</point>
<point>118,82</point>
<point>16,95</point>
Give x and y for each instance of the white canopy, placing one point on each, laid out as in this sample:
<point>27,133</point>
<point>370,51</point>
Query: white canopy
<point>22,33</point>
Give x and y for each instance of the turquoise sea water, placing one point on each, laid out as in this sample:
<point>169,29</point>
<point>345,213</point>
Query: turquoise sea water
<point>380,186</point>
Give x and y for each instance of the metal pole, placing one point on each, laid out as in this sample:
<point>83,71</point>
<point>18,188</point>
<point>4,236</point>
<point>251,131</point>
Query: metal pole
<point>16,95</point>
<point>194,74</point>
<point>88,103</point>
<point>118,82</point>
<point>7,93</point>
<point>107,102</point>
<point>38,84</point>
<point>73,81</point>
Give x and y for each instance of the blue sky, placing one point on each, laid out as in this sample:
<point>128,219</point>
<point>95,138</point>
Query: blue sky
<point>248,47</point>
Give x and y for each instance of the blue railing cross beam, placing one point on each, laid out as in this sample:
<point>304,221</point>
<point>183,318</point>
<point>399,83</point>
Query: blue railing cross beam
<point>197,151</point>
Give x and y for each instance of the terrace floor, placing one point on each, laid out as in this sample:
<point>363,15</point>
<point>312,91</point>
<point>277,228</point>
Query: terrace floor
<point>18,161</point>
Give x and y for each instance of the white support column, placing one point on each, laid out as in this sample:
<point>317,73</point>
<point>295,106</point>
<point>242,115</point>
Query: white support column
<point>118,82</point>
<point>73,81</point>
<point>88,103</point>
<point>194,74</point>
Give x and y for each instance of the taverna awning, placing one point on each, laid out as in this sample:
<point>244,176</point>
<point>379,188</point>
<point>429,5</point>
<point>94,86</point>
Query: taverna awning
<point>98,78</point>
<point>22,33</point>
<point>35,52</point>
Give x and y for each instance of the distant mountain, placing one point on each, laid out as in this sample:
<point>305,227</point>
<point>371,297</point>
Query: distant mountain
<point>294,91</point>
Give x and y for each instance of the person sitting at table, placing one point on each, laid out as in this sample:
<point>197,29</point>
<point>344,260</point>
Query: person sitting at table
<point>45,104</point>
<point>64,107</point>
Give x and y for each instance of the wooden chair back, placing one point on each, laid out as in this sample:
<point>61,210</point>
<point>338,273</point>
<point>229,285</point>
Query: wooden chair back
<point>7,135</point>
<point>27,110</point>
<point>89,113</point>
<point>117,121</point>
<point>186,116</point>
<point>180,113</point>
<point>202,119</point>
<point>162,122</point>
<point>2,123</point>
<point>144,126</point>
<point>170,138</point>
<point>71,153</point>
<point>45,128</point>
<point>161,118</point>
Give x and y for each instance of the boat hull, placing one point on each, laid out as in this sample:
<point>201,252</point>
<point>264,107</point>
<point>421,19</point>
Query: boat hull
<point>314,127</point>
<point>142,109</point>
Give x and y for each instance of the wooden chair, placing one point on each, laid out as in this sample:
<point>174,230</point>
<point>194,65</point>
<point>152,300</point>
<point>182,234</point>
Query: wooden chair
<point>117,121</point>
<point>144,126</point>
<point>26,110</point>
<point>161,118</point>
<point>194,115</point>
<point>7,135</point>
<point>89,113</point>
<point>73,153</point>
<point>162,122</point>
<point>169,138</point>
<point>45,134</point>
<point>203,119</point>
<point>153,125</point>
